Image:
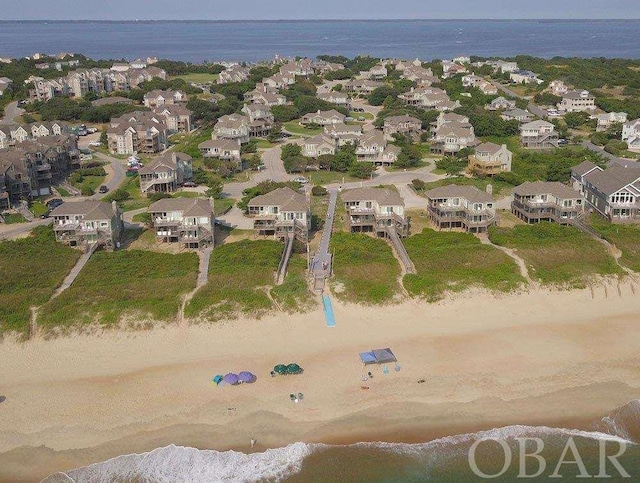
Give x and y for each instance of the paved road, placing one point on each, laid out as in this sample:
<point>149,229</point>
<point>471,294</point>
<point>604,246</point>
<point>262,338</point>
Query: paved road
<point>8,232</point>
<point>11,111</point>
<point>116,174</point>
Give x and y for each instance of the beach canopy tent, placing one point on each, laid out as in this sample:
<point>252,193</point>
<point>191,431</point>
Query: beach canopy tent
<point>246,377</point>
<point>280,369</point>
<point>217,379</point>
<point>294,369</point>
<point>231,378</point>
<point>378,356</point>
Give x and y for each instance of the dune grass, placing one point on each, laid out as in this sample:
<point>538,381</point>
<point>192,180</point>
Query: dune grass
<point>625,237</point>
<point>125,283</point>
<point>453,261</point>
<point>13,218</point>
<point>294,295</point>
<point>240,277</point>
<point>555,254</point>
<point>365,269</point>
<point>30,271</point>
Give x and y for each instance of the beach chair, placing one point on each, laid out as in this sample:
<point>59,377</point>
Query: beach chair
<point>385,370</point>
<point>292,397</point>
<point>300,396</point>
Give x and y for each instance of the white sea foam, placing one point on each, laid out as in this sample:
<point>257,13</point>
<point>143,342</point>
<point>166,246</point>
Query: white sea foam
<point>179,464</point>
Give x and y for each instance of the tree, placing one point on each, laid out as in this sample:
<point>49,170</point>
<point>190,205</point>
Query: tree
<point>319,191</point>
<point>290,151</point>
<point>255,161</point>
<point>326,161</point>
<point>451,165</point>
<point>345,157</point>
<point>119,195</point>
<point>378,96</point>
<point>362,170</point>
<point>418,184</point>
<point>285,113</point>
<point>200,176</point>
<point>295,164</point>
<point>104,140</point>
<point>276,134</point>
<point>575,119</point>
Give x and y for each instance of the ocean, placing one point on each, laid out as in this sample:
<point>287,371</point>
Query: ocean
<point>440,460</point>
<point>198,41</point>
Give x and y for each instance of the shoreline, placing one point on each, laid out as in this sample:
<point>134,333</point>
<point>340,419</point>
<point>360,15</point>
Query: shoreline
<point>553,358</point>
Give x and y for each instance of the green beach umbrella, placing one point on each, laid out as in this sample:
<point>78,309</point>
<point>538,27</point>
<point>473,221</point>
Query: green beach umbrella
<point>294,369</point>
<point>280,369</point>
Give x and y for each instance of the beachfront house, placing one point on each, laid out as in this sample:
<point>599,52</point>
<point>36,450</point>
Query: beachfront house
<point>233,127</point>
<point>405,125</point>
<point>373,148</point>
<point>224,149</point>
<point>344,133</point>
<point>500,103</point>
<point>538,201</point>
<point>613,192</point>
<point>631,135</point>
<point>176,117</point>
<point>375,210</point>
<point>450,133</point>
<point>319,145</point>
<point>166,173</point>
<point>524,77</point>
<point>188,222</point>
<point>490,159</point>
<point>88,224</point>
<point>606,120</point>
<point>323,118</point>
<point>461,207</point>
<point>516,114</point>
<point>577,101</point>
<point>538,135</point>
<point>281,213</point>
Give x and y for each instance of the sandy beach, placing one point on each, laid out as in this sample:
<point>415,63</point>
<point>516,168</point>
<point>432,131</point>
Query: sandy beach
<point>550,358</point>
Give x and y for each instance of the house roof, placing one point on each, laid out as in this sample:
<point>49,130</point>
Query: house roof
<point>467,192</point>
<point>285,198</point>
<point>227,144</point>
<point>490,148</point>
<point>517,112</point>
<point>554,188</point>
<point>401,119</point>
<point>111,100</point>
<point>383,196</point>
<point>169,160</point>
<point>373,137</point>
<point>536,125</point>
<point>88,209</point>
<point>613,179</point>
<point>583,168</point>
<point>188,206</point>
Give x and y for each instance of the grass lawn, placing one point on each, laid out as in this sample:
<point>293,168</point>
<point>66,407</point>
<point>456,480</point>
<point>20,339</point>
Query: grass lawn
<point>295,128</point>
<point>11,218</point>
<point>136,199</point>
<point>188,143</point>
<point>264,144</point>
<point>30,271</point>
<point>327,177</point>
<point>366,115</point>
<point>453,261</point>
<point>136,283</point>
<point>89,184</point>
<point>365,269</point>
<point>555,254</point>
<point>199,78</point>
<point>294,295</point>
<point>625,237</point>
<point>240,276</point>
<point>222,205</point>
<point>38,208</point>
<point>62,191</point>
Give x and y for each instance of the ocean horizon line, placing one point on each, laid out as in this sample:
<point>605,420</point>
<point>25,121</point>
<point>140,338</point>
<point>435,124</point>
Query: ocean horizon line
<point>319,20</point>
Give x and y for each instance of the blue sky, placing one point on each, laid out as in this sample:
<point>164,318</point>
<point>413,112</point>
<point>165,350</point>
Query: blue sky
<point>317,9</point>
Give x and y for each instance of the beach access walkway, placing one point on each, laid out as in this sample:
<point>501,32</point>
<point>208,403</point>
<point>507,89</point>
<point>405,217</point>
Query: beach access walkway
<point>397,244</point>
<point>75,271</point>
<point>320,268</point>
<point>284,260</point>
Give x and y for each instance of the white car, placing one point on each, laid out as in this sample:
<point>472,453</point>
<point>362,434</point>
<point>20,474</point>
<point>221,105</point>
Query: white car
<point>95,143</point>
<point>301,179</point>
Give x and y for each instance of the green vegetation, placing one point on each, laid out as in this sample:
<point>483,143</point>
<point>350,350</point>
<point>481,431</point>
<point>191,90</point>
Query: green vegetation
<point>11,218</point>
<point>293,295</point>
<point>222,205</point>
<point>365,269</point>
<point>625,237</point>
<point>240,275</point>
<point>188,143</point>
<point>66,109</point>
<point>450,261</point>
<point>327,177</point>
<point>498,185</point>
<point>128,195</point>
<point>38,208</point>
<point>116,285</point>
<point>30,271</point>
<point>199,78</point>
<point>62,191</point>
<point>555,254</point>
<point>294,127</point>
<point>88,180</point>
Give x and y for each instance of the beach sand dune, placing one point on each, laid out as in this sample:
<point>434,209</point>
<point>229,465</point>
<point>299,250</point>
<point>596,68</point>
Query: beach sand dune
<point>539,358</point>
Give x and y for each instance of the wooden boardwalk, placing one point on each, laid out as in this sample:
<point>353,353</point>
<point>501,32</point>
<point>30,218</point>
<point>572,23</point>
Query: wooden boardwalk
<point>320,268</point>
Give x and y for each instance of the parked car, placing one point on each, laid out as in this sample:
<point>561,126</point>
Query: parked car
<point>54,203</point>
<point>91,130</point>
<point>562,142</point>
<point>95,143</point>
<point>301,179</point>
<point>103,189</point>
<point>189,184</point>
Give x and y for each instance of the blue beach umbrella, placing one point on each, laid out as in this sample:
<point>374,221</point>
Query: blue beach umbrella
<point>231,378</point>
<point>247,377</point>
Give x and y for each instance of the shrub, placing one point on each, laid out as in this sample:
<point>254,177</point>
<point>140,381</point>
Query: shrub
<point>418,184</point>
<point>318,191</point>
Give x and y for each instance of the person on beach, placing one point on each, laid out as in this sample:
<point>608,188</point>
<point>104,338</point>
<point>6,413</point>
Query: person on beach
<point>253,442</point>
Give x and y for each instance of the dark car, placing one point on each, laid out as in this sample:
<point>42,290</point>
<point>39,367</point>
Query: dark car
<point>189,184</point>
<point>103,189</point>
<point>54,203</point>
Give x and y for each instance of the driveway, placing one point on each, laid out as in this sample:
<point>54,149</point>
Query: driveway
<point>11,111</point>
